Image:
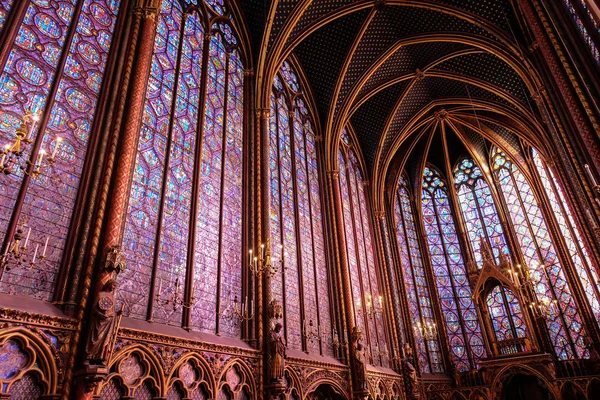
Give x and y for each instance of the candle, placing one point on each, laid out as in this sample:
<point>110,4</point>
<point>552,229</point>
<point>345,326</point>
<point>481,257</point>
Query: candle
<point>381,301</point>
<point>251,306</point>
<point>45,246</point>
<point>589,172</point>
<point>35,119</point>
<point>4,153</point>
<point>35,253</point>
<point>56,146</point>
<point>41,157</point>
<point>250,257</point>
<point>27,238</point>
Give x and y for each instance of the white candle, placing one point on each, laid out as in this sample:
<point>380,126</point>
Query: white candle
<point>262,251</point>
<point>27,238</point>
<point>250,257</point>
<point>35,253</point>
<point>56,146</point>
<point>41,157</point>
<point>45,246</point>
<point>35,119</point>
<point>4,153</point>
<point>589,172</point>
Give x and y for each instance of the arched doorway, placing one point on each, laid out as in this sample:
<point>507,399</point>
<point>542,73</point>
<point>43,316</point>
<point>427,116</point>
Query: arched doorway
<point>525,387</point>
<point>325,392</point>
<point>570,392</point>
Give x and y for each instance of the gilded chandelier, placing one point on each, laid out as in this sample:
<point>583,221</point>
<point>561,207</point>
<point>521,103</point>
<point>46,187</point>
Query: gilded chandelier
<point>263,264</point>
<point>13,156</point>
<point>19,255</point>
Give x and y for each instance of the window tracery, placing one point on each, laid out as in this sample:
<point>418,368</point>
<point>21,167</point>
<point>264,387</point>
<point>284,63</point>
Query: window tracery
<point>462,323</point>
<point>415,280</point>
<point>360,254</point>
<point>191,117</point>
<point>543,266</point>
<point>302,284</point>
<point>54,72</point>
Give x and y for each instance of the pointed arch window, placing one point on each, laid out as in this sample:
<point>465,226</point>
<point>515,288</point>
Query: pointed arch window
<point>478,210</point>
<point>571,233</point>
<point>415,281</point>
<point>462,324</point>
<point>543,265</point>
<point>506,314</point>
<point>302,285</point>
<point>53,68</point>
<point>584,19</point>
<point>360,253</point>
<point>191,137</point>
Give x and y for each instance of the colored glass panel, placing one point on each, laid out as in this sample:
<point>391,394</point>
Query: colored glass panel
<point>27,79</point>
<point>361,259</point>
<point>462,325</point>
<point>157,232</point>
<point>571,233</point>
<point>415,281</point>
<point>581,27</point>
<point>5,6</point>
<point>478,210</point>
<point>145,196</point>
<point>505,313</point>
<point>296,220</point>
<point>544,268</point>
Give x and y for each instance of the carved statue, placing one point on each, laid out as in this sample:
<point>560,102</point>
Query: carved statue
<point>410,373</point>
<point>276,354</point>
<point>104,324</point>
<point>358,361</point>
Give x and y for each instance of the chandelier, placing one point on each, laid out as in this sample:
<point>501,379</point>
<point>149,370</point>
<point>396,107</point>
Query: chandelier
<point>238,314</point>
<point>427,331</point>
<point>19,255</point>
<point>262,264</point>
<point>13,156</point>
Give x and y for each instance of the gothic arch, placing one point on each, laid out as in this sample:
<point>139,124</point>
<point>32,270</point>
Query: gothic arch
<point>236,378</point>
<point>29,355</point>
<point>545,376</point>
<point>332,382</point>
<point>134,367</point>
<point>193,373</point>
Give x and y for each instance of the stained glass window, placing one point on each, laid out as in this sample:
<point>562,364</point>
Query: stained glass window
<point>462,324</point>
<point>580,13</point>
<point>505,312</point>
<point>360,255</point>
<point>55,72</point>
<point>415,281</point>
<point>182,130</point>
<point>302,285</point>
<point>571,234</point>
<point>543,265</point>
<point>478,210</point>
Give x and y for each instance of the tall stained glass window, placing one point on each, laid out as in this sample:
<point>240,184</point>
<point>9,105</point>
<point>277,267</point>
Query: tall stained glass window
<point>478,210</point>
<point>462,324</point>
<point>360,253</point>
<point>52,71</point>
<point>584,19</point>
<point>571,234</point>
<point>302,285</point>
<point>192,121</point>
<point>543,265</point>
<point>415,281</point>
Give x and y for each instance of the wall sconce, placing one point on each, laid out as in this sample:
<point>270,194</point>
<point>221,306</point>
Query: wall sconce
<point>17,254</point>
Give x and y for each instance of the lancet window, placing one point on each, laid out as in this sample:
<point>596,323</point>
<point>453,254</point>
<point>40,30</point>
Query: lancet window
<point>478,210</point>
<point>368,299</point>
<point>584,20</point>
<point>183,234</point>
<point>543,266</point>
<point>415,282</point>
<point>301,283</point>
<point>52,73</point>
<point>571,233</point>
<point>462,324</point>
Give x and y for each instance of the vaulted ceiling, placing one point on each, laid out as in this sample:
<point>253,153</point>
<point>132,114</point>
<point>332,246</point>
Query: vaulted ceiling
<point>387,68</point>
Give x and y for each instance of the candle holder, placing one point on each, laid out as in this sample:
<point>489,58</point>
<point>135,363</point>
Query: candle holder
<point>174,299</point>
<point>338,343</point>
<point>426,331</point>
<point>263,264</point>
<point>17,255</point>
<point>13,156</point>
<point>370,310</point>
<point>237,314</point>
